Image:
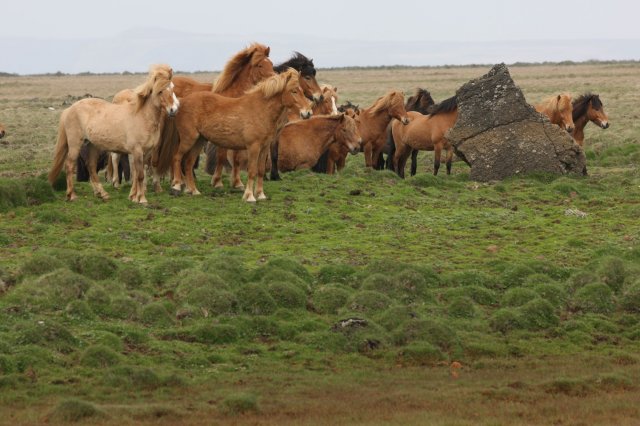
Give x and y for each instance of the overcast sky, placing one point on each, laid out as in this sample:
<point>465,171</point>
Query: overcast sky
<point>453,20</point>
<point>74,36</point>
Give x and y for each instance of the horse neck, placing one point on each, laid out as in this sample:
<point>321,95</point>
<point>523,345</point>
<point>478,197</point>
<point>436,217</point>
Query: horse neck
<point>324,134</point>
<point>271,109</point>
<point>374,122</point>
<point>580,122</point>
<point>152,115</point>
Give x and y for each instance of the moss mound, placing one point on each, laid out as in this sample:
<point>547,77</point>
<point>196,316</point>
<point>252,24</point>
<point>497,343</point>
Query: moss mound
<point>239,403</point>
<point>339,273</point>
<point>328,299</point>
<point>462,307</point>
<point>40,264</point>
<point>631,298</point>
<point>254,299</point>
<point>518,296</point>
<point>96,267</point>
<point>538,314</point>
<point>287,295</point>
<point>74,410</point>
<point>368,301</point>
<point>155,313</point>
<point>422,353</point>
<point>594,298</point>
<point>46,333</point>
<point>215,333</point>
<point>131,276</point>
<point>99,356</point>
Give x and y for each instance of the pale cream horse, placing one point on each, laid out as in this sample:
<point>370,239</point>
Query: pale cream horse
<point>132,127</point>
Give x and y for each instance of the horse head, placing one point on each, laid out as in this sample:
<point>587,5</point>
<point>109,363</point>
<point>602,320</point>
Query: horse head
<point>261,66</point>
<point>158,88</point>
<point>595,112</point>
<point>396,107</point>
<point>420,102</point>
<point>564,108</point>
<point>292,96</point>
<point>347,134</point>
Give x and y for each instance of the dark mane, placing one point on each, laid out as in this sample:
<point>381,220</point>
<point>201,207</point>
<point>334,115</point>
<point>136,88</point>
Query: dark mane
<point>447,105</point>
<point>413,103</point>
<point>581,104</point>
<point>298,62</point>
<point>345,107</point>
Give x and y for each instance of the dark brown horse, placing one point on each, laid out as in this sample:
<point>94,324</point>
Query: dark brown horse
<point>586,108</point>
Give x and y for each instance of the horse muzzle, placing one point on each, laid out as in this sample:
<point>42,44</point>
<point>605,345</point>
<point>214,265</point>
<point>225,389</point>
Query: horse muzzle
<point>405,120</point>
<point>604,125</point>
<point>172,112</point>
<point>318,97</point>
<point>569,129</point>
<point>304,114</point>
<point>354,150</point>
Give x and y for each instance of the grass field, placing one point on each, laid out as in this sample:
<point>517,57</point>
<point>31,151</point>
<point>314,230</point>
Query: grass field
<point>208,310</point>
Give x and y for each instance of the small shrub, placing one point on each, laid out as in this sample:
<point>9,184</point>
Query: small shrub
<point>505,320</point>
<point>99,356</point>
<point>518,296</point>
<point>462,307</point>
<point>79,310</point>
<point>329,298</point>
<point>595,298</point>
<point>369,301</point>
<point>215,333</point>
<point>130,276</point>
<point>515,275</point>
<point>40,264</point>
<point>74,410</point>
<point>254,299</point>
<point>631,298</point>
<point>538,314</point>
<point>239,403</point>
<point>155,313</point>
<point>287,295</point>
<point>612,272</point>
<point>339,273</point>
<point>422,353</point>
<point>96,267</point>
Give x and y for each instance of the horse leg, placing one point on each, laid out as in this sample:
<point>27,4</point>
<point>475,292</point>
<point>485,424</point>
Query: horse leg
<point>437,153</point>
<point>449,159</point>
<point>262,166</point>
<point>331,165</point>
<point>400,158</point>
<point>139,181</point>
<point>115,162</point>
<point>70,165</point>
<point>221,157</point>
<point>368,155</point>
<point>414,162</point>
<point>254,155</point>
<point>176,183</point>
<point>108,171</point>
<point>189,165</point>
<point>236,182</point>
<point>93,173</point>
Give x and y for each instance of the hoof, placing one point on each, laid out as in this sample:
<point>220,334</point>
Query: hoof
<point>158,189</point>
<point>249,198</point>
<point>218,185</point>
<point>261,196</point>
<point>241,186</point>
<point>72,197</point>
<point>105,196</point>
<point>196,192</point>
<point>175,192</point>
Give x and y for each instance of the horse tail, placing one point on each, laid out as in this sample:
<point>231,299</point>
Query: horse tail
<point>61,151</point>
<point>391,148</point>
<point>322,164</point>
<point>167,147</point>
<point>211,151</point>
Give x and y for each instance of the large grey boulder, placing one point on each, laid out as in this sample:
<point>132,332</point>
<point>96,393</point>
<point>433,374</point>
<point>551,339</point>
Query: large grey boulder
<point>500,135</point>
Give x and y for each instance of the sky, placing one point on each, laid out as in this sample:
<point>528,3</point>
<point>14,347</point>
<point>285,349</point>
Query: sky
<point>325,22</point>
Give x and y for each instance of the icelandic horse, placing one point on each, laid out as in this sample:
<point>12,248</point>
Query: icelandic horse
<point>335,157</point>
<point>132,127</point>
<point>302,142</point>
<point>248,122</point>
<point>424,133</point>
<point>373,121</point>
<point>559,111</point>
<point>586,108</point>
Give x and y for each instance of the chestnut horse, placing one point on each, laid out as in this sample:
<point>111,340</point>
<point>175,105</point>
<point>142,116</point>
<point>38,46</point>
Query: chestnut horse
<point>559,110</point>
<point>335,157</point>
<point>373,121</point>
<point>248,122</point>
<point>586,108</point>
<point>425,133</point>
<point>302,142</point>
<point>242,72</point>
<point>130,127</point>
<point>421,101</point>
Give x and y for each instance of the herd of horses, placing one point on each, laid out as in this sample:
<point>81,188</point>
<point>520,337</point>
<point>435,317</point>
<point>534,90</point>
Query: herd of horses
<point>262,118</point>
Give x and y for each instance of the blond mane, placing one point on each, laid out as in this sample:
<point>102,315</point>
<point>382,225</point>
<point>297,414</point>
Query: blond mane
<point>159,77</point>
<point>553,103</point>
<point>383,102</point>
<point>276,84</point>
<point>236,64</point>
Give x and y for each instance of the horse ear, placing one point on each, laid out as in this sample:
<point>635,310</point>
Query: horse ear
<point>266,52</point>
<point>559,96</point>
<point>342,117</point>
<point>335,89</point>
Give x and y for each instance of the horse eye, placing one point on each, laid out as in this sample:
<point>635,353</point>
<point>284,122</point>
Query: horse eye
<point>306,77</point>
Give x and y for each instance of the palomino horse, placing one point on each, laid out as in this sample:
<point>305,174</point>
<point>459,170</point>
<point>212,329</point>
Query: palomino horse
<point>420,102</point>
<point>425,133</point>
<point>130,127</point>
<point>249,122</point>
<point>243,71</point>
<point>302,142</point>
<point>586,108</point>
<point>558,109</point>
<point>373,121</point>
